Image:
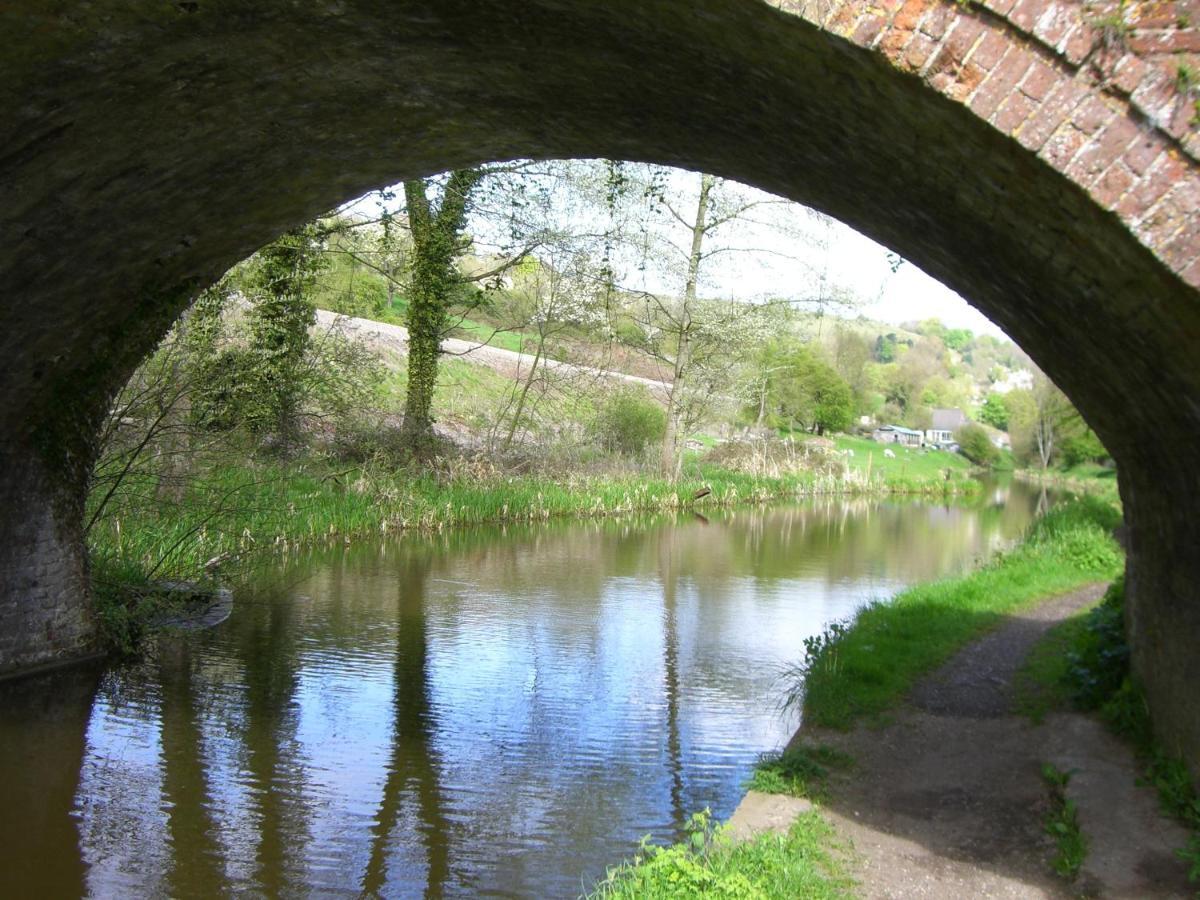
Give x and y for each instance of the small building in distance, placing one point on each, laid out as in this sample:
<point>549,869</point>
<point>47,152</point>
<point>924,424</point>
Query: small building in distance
<point>944,424</point>
<point>895,434</point>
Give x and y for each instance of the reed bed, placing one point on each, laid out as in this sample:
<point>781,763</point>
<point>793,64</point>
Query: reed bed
<point>234,513</point>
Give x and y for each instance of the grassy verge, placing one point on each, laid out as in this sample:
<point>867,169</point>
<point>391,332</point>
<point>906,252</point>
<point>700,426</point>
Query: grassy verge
<point>798,864</point>
<point>1062,824</point>
<point>860,670</point>
<point>1092,673</point>
<point>1041,686</point>
<point>1087,478</point>
<point>798,772</point>
<point>240,512</point>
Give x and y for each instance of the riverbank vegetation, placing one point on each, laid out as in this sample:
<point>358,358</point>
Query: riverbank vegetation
<point>1096,479</point>
<point>1050,442</point>
<point>807,862</point>
<point>798,771</point>
<point>231,516</point>
<point>857,670</point>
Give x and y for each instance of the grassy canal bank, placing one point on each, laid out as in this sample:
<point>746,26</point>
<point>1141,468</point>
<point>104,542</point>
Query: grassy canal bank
<point>858,670</point>
<point>233,516</point>
<point>1085,478</point>
<point>855,672</point>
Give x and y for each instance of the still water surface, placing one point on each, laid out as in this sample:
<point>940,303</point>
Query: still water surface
<point>496,712</point>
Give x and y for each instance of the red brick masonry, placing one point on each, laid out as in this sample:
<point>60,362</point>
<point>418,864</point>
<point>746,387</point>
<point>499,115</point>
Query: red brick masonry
<point>1106,93</point>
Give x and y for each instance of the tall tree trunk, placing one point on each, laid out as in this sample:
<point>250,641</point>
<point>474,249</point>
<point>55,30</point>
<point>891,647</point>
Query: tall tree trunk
<point>436,241</point>
<point>671,450</point>
<point>520,410</point>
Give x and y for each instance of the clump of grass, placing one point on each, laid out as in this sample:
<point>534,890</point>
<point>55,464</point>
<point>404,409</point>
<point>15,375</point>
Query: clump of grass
<point>801,771</point>
<point>860,670</point>
<point>708,865</point>
<point>1062,824</point>
<point>1187,79</point>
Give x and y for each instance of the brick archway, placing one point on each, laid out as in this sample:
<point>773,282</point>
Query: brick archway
<point>1038,156</point>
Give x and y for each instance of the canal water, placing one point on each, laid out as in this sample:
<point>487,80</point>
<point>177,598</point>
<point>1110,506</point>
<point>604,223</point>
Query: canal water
<point>493,712</point>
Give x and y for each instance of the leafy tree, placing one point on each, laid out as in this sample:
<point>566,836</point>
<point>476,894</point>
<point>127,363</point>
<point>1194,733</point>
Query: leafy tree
<point>1082,446</point>
<point>959,339</point>
<point>437,234</point>
<point>275,372</point>
<point>851,354</point>
<point>1053,413</point>
<point>551,295</point>
<point>994,412</point>
<point>801,390</point>
<point>885,348</point>
<point>975,445</point>
<point>1039,419</point>
<point>695,342</point>
<point>281,279</point>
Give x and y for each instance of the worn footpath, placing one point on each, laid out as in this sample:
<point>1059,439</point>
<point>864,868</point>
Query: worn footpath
<point>947,799</point>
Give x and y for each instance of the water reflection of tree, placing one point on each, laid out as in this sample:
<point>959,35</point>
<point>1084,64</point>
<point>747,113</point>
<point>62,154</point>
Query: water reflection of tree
<point>269,652</point>
<point>413,760</point>
<point>669,577</point>
<point>196,868</point>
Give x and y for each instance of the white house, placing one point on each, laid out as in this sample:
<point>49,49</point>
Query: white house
<point>945,423</point>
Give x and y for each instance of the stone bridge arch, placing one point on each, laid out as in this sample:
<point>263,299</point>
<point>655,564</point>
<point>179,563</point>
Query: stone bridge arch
<point>1038,156</point>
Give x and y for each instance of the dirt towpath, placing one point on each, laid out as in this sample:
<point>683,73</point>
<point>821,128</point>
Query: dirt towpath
<point>948,801</point>
<point>393,339</point>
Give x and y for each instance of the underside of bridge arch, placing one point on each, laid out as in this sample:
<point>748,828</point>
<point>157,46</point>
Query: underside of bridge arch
<point>149,145</point>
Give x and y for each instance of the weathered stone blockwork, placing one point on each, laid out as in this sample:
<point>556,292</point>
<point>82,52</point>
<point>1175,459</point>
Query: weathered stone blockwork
<point>1036,156</point>
<point>42,578</point>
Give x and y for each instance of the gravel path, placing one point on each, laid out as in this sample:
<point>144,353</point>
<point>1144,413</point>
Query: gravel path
<point>947,800</point>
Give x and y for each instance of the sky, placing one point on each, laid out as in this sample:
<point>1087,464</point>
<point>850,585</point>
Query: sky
<point>781,249</point>
<point>907,295</point>
<point>842,255</point>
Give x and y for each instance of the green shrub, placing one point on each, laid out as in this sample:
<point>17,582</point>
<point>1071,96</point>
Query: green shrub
<point>365,298</point>
<point>976,446</point>
<point>629,333</point>
<point>1080,535</point>
<point>1099,661</point>
<point>628,421</point>
<point>1085,447</point>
